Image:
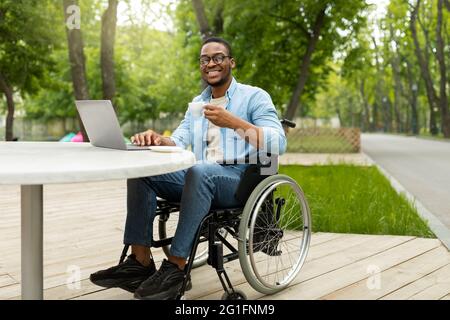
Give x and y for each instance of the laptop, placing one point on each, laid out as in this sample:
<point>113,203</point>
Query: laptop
<point>102,126</point>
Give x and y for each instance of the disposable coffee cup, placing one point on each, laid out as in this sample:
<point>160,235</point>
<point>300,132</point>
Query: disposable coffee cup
<point>196,108</point>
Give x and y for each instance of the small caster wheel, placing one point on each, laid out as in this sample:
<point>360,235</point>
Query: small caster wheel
<point>235,295</point>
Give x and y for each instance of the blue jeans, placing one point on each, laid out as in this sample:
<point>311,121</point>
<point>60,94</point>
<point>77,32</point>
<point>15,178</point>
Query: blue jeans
<point>197,189</point>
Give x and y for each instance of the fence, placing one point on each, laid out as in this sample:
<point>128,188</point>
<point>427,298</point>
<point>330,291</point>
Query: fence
<point>324,140</point>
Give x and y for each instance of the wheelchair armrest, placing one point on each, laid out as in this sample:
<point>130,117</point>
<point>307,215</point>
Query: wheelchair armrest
<point>253,175</point>
<point>288,123</point>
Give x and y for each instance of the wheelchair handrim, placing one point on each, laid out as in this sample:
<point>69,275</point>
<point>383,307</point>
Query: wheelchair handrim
<point>305,238</point>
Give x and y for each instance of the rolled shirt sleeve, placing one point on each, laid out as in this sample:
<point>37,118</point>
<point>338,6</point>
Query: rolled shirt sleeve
<point>264,115</point>
<point>181,136</point>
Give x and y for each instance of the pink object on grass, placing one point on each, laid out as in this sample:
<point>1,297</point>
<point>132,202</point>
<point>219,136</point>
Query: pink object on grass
<point>77,138</point>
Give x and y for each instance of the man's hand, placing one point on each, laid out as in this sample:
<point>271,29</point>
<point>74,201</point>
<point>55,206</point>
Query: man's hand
<point>220,117</point>
<point>148,138</point>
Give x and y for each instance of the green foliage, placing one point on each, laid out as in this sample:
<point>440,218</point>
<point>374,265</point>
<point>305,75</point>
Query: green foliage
<point>25,42</point>
<point>150,71</point>
<point>157,71</point>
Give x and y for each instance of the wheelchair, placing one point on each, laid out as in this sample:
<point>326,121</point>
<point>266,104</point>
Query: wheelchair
<point>270,233</point>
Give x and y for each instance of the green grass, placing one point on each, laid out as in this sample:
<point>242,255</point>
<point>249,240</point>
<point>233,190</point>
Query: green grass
<point>354,199</point>
<point>319,144</point>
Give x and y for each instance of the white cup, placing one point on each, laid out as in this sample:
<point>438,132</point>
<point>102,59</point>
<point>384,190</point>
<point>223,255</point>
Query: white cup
<point>196,108</point>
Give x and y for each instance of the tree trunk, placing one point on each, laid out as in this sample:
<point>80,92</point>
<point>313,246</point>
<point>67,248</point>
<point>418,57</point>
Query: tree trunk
<point>366,118</point>
<point>386,103</point>
<point>77,63</point>
<point>413,99</point>
<point>443,101</point>
<point>379,91</point>
<point>398,88</point>
<point>8,91</point>
<point>304,67</point>
<point>109,21</point>
<point>218,17</point>
<point>199,9</point>
<point>424,68</point>
<point>341,120</point>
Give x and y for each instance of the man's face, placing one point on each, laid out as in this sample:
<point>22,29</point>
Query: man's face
<point>216,74</point>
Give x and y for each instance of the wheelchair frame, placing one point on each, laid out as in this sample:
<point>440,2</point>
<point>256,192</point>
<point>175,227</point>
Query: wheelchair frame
<point>217,219</point>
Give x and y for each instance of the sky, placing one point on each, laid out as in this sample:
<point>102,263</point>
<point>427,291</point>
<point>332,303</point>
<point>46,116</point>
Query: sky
<point>154,16</point>
<point>161,21</point>
<point>380,11</point>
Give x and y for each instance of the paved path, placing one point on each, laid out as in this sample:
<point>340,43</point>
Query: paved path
<point>422,166</point>
<point>312,159</point>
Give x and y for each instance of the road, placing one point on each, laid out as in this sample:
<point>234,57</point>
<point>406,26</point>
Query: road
<point>422,166</point>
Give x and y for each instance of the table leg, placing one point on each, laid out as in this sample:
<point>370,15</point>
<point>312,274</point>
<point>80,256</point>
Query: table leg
<point>32,266</point>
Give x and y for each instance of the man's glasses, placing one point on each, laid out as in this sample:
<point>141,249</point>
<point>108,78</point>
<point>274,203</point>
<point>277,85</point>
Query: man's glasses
<point>217,59</point>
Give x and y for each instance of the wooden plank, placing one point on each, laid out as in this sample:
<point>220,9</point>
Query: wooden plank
<point>320,238</point>
<point>316,264</point>
<point>6,280</point>
<point>376,286</point>
<point>60,291</point>
<point>423,286</point>
<point>84,219</point>
<point>354,272</point>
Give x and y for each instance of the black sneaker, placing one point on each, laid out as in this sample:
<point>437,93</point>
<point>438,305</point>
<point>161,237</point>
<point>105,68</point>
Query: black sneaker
<point>164,284</point>
<point>127,275</point>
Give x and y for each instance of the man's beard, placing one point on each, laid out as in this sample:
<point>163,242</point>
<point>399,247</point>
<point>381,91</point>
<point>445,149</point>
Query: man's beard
<point>222,81</point>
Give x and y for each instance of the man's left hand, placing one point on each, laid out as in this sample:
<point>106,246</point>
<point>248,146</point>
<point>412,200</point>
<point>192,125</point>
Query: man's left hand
<point>220,116</point>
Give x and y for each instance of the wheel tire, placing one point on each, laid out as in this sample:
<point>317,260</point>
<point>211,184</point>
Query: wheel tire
<point>236,295</point>
<point>252,201</point>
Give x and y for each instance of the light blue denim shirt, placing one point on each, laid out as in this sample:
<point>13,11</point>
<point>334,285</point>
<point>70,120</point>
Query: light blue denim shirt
<point>249,103</point>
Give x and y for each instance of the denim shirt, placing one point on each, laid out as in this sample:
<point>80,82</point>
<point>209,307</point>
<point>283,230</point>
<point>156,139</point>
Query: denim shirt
<point>249,103</point>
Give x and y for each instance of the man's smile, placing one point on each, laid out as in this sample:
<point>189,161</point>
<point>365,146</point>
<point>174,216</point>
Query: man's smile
<point>213,73</point>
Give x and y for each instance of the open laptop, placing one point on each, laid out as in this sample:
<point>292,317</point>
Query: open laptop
<point>102,126</point>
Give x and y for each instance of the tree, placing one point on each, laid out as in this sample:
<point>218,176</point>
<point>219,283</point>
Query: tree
<point>76,55</point>
<point>306,61</point>
<point>205,30</point>
<point>25,44</point>
<point>443,101</point>
<point>109,21</point>
<point>424,67</point>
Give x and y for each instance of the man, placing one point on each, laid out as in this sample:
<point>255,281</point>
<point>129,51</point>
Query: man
<point>238,120</point>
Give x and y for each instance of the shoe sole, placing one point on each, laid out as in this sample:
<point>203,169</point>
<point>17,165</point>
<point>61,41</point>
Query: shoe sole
<point>129,285</point>
<point>167,295</point>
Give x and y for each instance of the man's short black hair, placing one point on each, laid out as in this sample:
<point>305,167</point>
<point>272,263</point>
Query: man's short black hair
<point>219,40</point>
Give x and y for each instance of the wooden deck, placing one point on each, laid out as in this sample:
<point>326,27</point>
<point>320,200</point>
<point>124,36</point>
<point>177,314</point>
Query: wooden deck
<point>83,227</point>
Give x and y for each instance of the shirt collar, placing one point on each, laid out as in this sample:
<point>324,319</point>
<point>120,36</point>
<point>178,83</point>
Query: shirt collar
<point>206,94</point>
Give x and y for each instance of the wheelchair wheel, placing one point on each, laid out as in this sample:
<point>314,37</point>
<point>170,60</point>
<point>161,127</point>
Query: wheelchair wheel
<point>236,295</point>
<point>274,234</point>
<point>167,227</point>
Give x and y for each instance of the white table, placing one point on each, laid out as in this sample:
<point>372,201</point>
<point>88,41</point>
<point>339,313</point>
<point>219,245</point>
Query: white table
<point>33,164</point>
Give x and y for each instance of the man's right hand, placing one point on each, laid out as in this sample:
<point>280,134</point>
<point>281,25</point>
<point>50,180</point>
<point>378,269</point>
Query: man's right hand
<point>147,138</point>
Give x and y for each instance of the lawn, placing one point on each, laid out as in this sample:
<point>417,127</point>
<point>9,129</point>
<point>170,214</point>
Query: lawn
<point>354,199</point>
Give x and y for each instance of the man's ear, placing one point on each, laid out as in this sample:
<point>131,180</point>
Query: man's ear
<point>232,63</point>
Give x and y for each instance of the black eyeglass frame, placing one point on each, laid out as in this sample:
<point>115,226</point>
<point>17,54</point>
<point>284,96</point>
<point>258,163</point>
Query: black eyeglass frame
<point>205,60</point>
